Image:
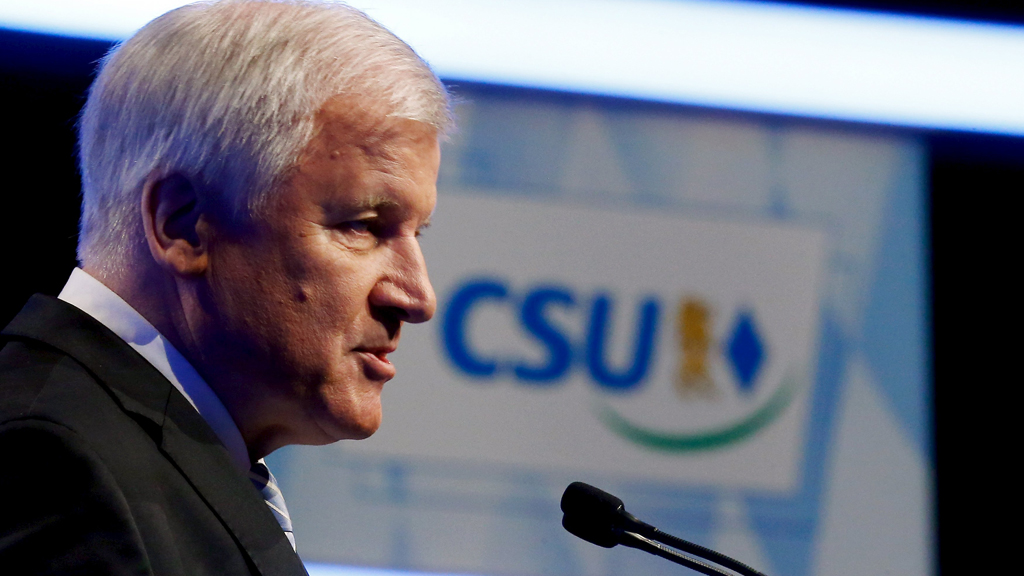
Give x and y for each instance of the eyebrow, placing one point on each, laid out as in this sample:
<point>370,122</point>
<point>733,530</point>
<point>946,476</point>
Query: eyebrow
<point>381,202</point>
<point>376,202</point>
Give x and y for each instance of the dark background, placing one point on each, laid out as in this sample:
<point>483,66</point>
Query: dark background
<point>43,81</point>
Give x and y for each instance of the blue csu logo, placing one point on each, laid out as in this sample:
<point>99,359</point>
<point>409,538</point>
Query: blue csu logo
<point>743,350</point>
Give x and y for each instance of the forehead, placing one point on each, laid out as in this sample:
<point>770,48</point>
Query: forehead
<point>346,121</point>
<point>359,154</point>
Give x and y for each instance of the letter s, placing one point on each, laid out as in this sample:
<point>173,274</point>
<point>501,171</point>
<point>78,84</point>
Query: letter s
<point>559,349</point>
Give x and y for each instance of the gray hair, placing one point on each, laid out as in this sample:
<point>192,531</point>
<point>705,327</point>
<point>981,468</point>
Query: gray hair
<point>226,93</point>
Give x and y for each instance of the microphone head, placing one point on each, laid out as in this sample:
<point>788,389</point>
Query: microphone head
<point>583,499</point>
<point>592,514</point>
<point>601,534</point>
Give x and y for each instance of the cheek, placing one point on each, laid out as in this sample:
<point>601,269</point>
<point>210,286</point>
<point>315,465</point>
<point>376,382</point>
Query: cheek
<point>247,297</point>
<point>332,297</point>
<point>260,306</point>
<point>324,321</point>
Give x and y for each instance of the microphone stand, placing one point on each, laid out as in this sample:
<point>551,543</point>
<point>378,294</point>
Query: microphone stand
<point>637,541</point>
<point>600,518</point>
<point>652,533</point>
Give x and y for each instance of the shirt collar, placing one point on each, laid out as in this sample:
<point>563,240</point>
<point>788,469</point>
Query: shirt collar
<point>90,296</point>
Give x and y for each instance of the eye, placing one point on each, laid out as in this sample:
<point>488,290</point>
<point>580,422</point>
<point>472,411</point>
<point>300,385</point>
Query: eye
<point>360,234</point>
<point>358,226</point>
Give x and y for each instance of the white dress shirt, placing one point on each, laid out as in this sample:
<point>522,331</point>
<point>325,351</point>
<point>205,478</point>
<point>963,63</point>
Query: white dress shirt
<point>90,296</point>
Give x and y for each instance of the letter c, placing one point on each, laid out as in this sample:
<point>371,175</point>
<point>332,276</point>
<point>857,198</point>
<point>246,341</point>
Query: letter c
<point>454,326</point>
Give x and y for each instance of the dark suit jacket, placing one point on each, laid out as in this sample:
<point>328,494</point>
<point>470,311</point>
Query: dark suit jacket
<point>105,468</point>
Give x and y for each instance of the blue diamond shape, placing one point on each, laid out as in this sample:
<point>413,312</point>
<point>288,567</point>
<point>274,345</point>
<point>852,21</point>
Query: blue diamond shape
<point>746,351</point>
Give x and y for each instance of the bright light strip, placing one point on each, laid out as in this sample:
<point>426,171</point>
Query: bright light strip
<point>838,64</point>
<point>334,570</point>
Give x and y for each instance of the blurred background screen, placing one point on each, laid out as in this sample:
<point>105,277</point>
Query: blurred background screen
<point>722,259</point>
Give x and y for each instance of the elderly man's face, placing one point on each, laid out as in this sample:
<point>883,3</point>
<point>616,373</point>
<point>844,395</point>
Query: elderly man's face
<point>311,300</point>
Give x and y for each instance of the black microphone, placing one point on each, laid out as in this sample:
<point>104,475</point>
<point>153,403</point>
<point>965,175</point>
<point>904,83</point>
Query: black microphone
<point>600,518</point>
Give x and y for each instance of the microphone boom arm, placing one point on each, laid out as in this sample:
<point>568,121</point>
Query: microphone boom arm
<point>600,518</point>
<point>639,542</point>
<point>653,533</point>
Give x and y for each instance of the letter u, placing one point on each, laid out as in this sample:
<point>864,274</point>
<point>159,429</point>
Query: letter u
<point>597,337</point>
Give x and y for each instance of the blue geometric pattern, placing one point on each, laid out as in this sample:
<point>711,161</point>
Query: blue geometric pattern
<point>745,352</point>
<point>515,143</point>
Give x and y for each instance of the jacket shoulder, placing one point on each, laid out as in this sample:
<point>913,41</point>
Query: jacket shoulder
<point>96,493</point>
<point>42,382</point>
<point>36,379</point>
<point>71,385</point>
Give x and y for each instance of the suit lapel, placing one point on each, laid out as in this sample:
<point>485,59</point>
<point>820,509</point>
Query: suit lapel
<point>185,437</point>
<point>139,387</point>
<point>227,491</point>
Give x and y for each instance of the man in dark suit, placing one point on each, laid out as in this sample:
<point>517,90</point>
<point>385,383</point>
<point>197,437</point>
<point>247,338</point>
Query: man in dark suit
<point>255,177</point>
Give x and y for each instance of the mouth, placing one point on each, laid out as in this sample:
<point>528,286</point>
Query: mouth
<point>376,365</point>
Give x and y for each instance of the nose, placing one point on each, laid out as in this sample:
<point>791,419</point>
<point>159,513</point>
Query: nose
<point>405,288</point>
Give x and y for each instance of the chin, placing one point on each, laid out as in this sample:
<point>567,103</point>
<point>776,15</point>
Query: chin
<point>345,409</point>
<point>361,428</point>
<point>349,424</point>
<point>361,433</point>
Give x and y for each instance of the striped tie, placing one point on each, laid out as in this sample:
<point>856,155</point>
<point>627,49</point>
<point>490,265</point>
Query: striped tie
<point>264,481</point>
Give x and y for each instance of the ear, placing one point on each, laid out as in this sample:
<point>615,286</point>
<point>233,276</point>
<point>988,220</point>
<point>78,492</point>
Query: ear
<point>177,228</point>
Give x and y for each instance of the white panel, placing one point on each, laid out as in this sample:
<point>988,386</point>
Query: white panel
<point>441,410</point>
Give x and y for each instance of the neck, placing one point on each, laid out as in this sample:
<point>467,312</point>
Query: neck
<point>156,297</point>
<point>173,306</point>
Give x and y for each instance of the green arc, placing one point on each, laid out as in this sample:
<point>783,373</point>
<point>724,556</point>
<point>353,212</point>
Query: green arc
<point>702,441</point>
